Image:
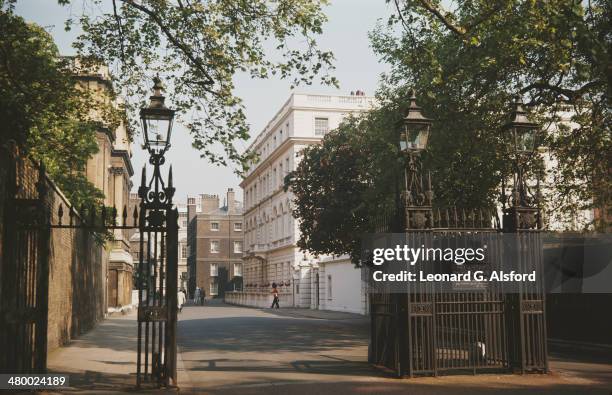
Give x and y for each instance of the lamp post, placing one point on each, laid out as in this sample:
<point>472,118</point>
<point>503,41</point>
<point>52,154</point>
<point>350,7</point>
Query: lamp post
<point>158,262</point>
<point>522,219</point>
<point>521,207</point>
<point>417,195</point>
<point>157,122</point>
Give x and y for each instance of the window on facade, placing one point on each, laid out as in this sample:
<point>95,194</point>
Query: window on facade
<point>214,246</point>
<point>184,251</point>
<point>214,289</point>
<point>214,226</point>
<point>237,226</point>
<point>214,269</point>
<point>282,221</point>
<point>184,224</point>
<point>329,287</point>
<point>238,269</point>
<point>237,247</point>
<point>274,179</point>
<point>321,126</point>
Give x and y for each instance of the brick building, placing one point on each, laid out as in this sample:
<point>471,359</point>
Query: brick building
<point>214,237</point>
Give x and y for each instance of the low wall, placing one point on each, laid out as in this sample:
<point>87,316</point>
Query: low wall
<point>257,299</point>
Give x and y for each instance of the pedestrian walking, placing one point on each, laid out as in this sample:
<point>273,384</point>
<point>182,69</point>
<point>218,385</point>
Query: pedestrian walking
<point>275,294</point>
<point>181,300</point>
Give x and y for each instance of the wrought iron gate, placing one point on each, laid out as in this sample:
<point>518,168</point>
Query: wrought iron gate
<point>426,331</point>
<point>27,223</point>
<point>23,265</point>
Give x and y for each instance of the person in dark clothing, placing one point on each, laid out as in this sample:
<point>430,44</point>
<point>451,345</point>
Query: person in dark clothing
<point>275,294</point>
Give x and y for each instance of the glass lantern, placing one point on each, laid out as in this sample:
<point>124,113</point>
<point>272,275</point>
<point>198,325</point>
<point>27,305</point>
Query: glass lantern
<point>416,128</point>
<point>521,132</point>
<point>157,121</point>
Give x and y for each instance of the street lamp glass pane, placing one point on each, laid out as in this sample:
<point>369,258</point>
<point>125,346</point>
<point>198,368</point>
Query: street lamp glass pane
<point>403,144</point>
<point>417,136</point>
<point>158,130</point>
<point>525,140</point>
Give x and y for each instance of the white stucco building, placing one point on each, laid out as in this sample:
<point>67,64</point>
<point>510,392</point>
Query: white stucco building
<point>271,233</point>
<point>182,247</point>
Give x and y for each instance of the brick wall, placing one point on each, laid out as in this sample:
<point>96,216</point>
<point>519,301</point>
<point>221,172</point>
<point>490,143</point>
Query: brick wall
<point>77,279</point>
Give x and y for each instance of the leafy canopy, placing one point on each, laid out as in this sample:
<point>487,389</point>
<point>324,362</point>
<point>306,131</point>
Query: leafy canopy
<point>197,47</point>
<point>44,111</point>
<point>466,64</point>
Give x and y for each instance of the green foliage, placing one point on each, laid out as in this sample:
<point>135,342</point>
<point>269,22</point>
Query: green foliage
<point>467,62</point>
<point>43,110</point>
<point>197,47</point>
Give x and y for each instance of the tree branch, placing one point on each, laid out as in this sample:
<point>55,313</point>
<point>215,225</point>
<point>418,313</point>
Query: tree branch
<point>120,29</point>
<point>198,64</point>
<point>442,16</point>
<point>571,94</point>
<point>401,17</point>
<point>484,17</point>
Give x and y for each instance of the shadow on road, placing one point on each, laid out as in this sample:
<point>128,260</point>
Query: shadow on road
<point>268,335</point>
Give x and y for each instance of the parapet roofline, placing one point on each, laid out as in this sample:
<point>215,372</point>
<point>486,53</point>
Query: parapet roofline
<point>288,104</point>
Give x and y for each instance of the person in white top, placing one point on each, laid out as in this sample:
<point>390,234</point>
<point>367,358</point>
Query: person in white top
<point>180,300</point>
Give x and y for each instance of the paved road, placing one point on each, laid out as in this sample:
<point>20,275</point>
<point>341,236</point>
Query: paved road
<point>228,350</point>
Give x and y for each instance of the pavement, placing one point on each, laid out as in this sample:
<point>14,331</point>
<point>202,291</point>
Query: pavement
<point>227,349</point>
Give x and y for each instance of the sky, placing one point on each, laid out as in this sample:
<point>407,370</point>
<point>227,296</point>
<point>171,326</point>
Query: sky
<point>345,34</point>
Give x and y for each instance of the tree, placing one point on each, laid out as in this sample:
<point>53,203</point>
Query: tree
<point>467,62</point>
<point>466,65</point>
<point>197,47</point>
<point>44,111</point>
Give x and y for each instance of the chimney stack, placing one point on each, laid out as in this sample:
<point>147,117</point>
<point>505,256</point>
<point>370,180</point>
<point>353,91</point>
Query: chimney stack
<point>231,201</point>
<point>209,202</point>
<point>191,209</point>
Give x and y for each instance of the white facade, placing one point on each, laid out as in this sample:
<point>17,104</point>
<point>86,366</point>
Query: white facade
<point>340,286</point>
<point>270,231</point>
<point>183,252</point>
